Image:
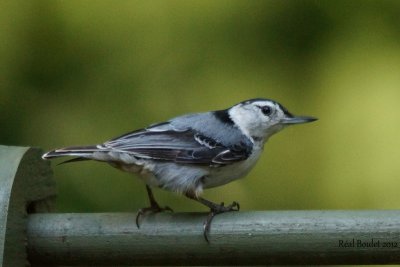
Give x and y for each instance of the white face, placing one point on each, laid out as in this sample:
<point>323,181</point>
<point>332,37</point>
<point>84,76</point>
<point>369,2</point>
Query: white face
<point>259,119</point>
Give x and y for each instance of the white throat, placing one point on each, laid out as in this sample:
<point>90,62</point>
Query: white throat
<point>247,124</point>
<point>250,125</point>
<point>241,119</point>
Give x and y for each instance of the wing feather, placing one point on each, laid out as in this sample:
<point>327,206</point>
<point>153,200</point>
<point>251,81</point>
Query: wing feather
<point>162,142</point>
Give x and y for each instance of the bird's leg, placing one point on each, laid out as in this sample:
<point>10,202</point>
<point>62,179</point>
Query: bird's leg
<point>154,206</point>
<point>215,209</point>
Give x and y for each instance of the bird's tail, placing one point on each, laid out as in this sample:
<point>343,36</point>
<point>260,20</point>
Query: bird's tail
<point>79,152</point>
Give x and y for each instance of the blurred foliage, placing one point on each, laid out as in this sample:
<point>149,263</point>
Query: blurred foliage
<point>81,72</point>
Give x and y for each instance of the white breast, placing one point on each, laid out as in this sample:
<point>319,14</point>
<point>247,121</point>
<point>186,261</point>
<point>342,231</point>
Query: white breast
<point>223,175</point>
<point>187,178</point>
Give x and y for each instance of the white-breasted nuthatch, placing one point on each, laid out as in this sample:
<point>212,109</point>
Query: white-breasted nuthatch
<point>193,152</point>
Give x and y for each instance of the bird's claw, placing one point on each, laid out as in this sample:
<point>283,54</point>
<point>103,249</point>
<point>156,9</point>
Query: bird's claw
<point>215,210</point>
<point>153,209</point>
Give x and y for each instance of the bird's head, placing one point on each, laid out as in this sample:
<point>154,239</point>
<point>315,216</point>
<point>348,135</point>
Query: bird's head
<point>261,118</point>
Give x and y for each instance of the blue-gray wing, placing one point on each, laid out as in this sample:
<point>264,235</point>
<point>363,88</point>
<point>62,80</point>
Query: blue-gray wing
<point>163,142</point>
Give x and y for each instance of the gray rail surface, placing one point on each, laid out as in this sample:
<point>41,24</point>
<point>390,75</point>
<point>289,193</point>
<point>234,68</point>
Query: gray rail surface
<point>236,238</point>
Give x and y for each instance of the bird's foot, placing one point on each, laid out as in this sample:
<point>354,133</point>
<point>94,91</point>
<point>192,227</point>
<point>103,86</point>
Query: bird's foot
<point>155,208</point>
<point>216,209</point>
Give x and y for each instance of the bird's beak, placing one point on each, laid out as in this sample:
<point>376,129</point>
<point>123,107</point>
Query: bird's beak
<point>298,119</point>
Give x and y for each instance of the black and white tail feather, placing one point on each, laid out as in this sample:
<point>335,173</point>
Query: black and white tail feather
<point>80,153</point>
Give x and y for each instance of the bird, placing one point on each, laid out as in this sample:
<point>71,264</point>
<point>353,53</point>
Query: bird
<point>193,152</point>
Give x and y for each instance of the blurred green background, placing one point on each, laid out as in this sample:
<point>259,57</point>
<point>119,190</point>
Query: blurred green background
<point>81,72</point>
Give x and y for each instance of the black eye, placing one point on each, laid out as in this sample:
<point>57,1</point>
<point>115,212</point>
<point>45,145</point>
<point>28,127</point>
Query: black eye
<point>266,110</point>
